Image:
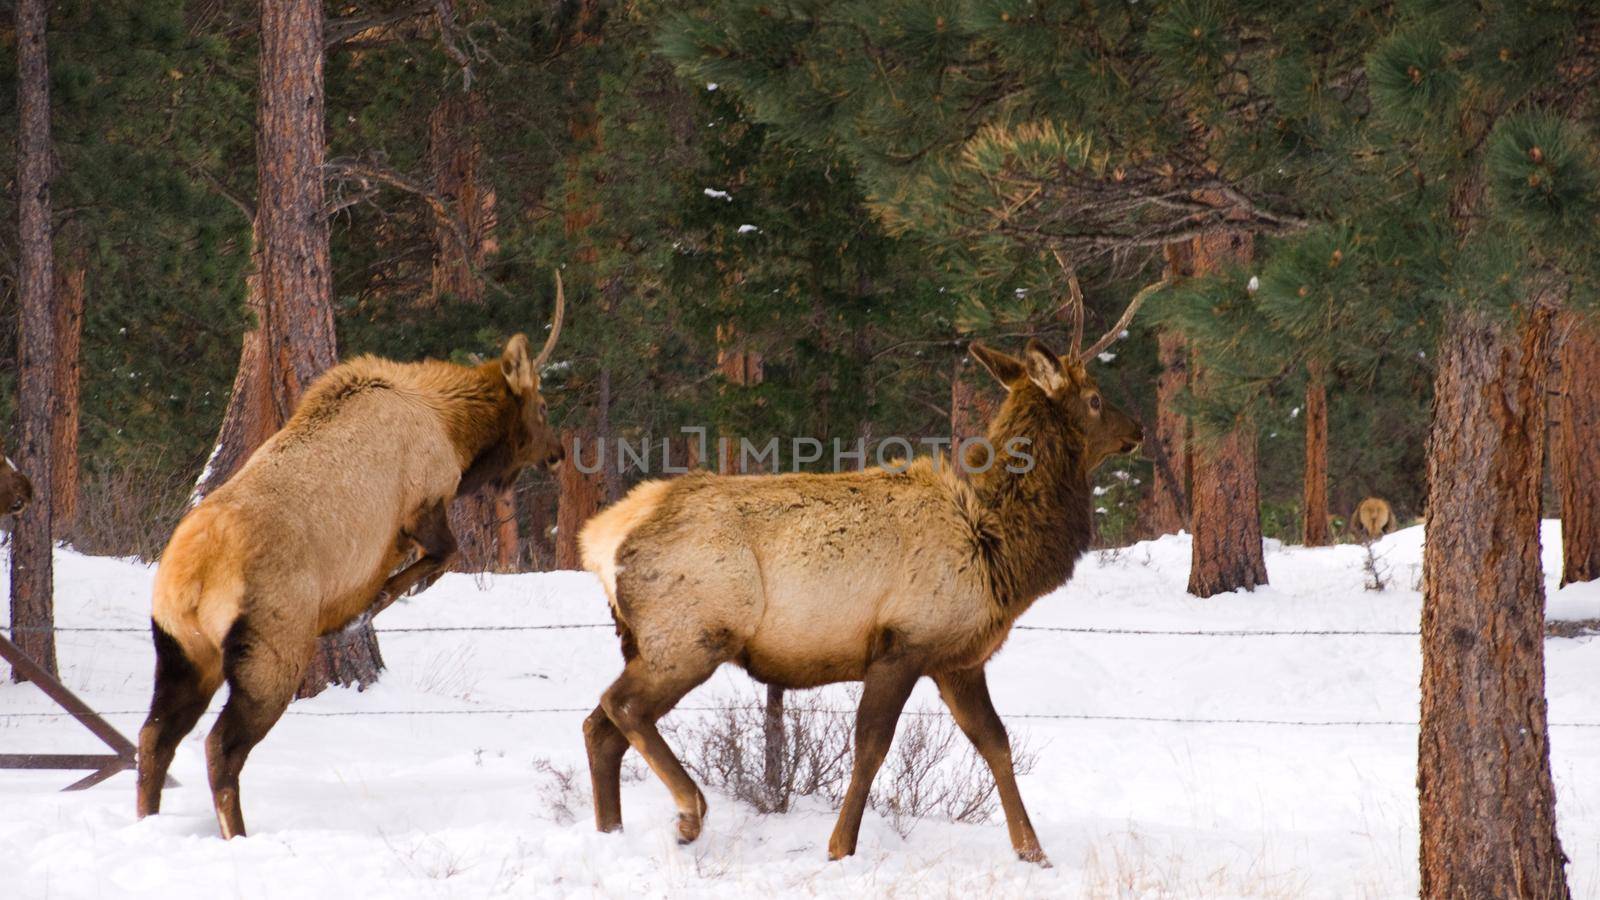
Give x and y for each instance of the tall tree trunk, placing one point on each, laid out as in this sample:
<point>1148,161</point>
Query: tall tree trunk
<point>1226,511</point>
<point>1483,762</point>
<point>1577,464</point>
<point>1316,473</point>
<point>580,496</point>
<point>1166,508</point>
<point>69,302</point>
<point>32,585</point>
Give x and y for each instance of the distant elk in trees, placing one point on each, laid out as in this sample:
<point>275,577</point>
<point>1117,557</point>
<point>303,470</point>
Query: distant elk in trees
<point>307,537</point>
<point>1373,519</point>
<point>16,491</point>
<point>875,576</point>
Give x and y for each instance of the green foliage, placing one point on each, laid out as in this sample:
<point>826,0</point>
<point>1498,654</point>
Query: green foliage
<point>1543,175</point>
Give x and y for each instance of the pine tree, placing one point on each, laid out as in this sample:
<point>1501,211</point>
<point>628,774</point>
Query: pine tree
<point>1484,101</point>
<point>1006,132</point>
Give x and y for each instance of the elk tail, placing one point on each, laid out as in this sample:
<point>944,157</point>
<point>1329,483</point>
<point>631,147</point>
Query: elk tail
<point>198,593</point>
<point>602,537</point>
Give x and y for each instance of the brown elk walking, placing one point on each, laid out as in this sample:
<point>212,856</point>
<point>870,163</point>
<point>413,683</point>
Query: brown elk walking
<point>308,534</point>
<point>877,577</point>
<point>1373,519</point>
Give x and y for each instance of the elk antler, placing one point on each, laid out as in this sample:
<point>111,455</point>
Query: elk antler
<point>555,324</point>
<point>1076,299</point>
<point>1110,337</point>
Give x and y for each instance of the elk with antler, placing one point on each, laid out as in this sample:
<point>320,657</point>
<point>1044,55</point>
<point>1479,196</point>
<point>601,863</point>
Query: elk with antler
<point>878,577</point>
<point>307,536</point>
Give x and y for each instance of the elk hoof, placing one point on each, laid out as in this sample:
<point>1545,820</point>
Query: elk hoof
<point>1036,856</point>
<point>838,849</point>
<point>688,828</point>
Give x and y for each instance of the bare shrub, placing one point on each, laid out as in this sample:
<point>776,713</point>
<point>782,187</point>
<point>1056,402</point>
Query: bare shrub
<point>931,771</point>
<point>128,510</point>
<point>1377,575</point>
<point>726,751</point>
<point>563,795</point>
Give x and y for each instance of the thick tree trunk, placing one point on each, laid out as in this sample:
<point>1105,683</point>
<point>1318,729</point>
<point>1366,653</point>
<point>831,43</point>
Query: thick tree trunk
<point>1166,507</point>
<point>1316,473</point>
<point>69,301</point>
<point>579,499</point>
<point>1226,511</point>
<point>1577,462</point>
<point>32,591</point>
<point>1487,799</point>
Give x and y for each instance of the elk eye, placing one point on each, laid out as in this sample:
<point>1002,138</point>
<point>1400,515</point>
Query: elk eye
<point>1094,402</point>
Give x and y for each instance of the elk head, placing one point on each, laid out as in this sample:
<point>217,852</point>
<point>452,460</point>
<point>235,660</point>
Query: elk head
<point>529,440</point>
<point>1065,382</point>
<point>15,488</point>
<point>1066,385</point>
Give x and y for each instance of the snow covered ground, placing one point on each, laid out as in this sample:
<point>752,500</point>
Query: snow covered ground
<point>464,801</point>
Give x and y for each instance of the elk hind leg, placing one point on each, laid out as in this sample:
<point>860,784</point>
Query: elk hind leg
<point>181,694</point>
<point>639,697</point>
<point>887,684</point>
<point>966,693</point>
<point>262,674</point>
<point>606,745</point>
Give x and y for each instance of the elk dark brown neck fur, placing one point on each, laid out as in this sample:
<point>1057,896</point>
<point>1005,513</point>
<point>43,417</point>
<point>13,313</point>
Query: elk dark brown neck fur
<point>1037,522</point>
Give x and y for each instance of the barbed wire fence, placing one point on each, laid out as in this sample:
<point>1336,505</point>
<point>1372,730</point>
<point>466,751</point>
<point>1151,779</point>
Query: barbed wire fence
<point>1056,629</point>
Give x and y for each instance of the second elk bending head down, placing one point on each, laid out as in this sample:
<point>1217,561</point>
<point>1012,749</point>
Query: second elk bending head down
<point>875,576</point>
<point>307,536</point>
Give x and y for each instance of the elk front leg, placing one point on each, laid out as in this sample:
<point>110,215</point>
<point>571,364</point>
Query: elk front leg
<point>432,535</point>
<point>967,695</point>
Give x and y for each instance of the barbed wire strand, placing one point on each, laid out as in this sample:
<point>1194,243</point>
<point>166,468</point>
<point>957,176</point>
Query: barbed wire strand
<point>1086,717</point>
<point>1064,629</point>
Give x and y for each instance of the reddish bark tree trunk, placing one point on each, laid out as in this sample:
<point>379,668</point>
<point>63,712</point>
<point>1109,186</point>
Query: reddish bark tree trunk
<point>69,300</point>
<point>580,496</point>
<point>1226,511</point>
<point>32,581</point>
<point>1483,762</point>
<point>1577,462</point>
<point>1316,474</point>
<point>1166,508</point>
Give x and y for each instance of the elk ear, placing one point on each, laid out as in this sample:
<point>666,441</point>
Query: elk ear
<point>1044,368</point>
<point>518,368</point>
<point>1005,369</point>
